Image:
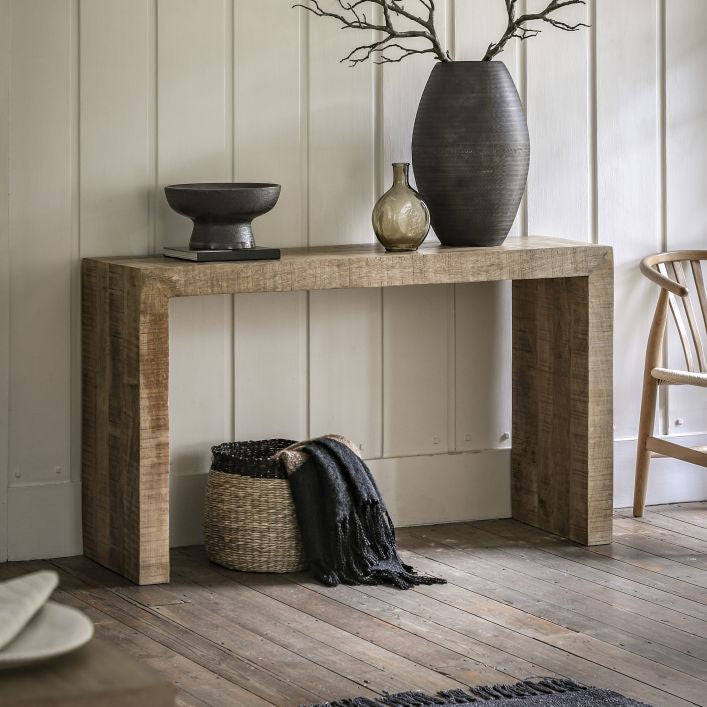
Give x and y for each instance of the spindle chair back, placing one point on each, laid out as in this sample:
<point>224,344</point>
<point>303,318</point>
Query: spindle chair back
<point>682,281</point>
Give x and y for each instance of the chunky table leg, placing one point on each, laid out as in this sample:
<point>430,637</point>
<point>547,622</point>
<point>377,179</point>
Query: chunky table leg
<point>562,457</point>
<point>125,476</point>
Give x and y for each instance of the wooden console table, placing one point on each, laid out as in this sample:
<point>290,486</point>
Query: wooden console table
<point>562,452</point>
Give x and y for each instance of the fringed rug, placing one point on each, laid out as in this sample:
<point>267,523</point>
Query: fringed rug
<point>548,692</point>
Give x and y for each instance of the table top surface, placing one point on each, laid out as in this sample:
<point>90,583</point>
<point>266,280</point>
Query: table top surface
<point>363,251</point>
<point>367,265</point>
<point>99,672</point>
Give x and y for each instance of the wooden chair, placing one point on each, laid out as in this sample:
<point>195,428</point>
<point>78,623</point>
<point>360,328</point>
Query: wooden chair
<point>679,275</point>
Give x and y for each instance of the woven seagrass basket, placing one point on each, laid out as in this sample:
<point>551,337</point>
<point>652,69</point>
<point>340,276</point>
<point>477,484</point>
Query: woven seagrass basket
<point>249,519</point>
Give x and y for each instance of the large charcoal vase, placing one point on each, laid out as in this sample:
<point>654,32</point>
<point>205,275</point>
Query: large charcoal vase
<point>471,152</point>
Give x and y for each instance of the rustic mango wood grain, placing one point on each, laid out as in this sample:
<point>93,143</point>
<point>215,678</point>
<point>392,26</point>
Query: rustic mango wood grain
<point>562,454</point>
<point>562,377</point>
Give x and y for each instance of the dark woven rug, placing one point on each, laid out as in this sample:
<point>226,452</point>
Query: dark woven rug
<point>547,692</point>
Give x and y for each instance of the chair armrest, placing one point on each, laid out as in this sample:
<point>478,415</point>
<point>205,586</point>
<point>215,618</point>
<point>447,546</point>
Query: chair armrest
<point>665,282</point>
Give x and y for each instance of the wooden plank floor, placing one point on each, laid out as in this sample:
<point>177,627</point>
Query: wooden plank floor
<point>631,616</point>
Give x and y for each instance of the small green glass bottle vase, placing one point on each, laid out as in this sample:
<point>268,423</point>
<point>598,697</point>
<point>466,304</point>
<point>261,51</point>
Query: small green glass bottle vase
<point>401,220</point>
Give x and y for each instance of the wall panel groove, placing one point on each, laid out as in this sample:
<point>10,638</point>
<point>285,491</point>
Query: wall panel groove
<point>153,118</point>
<point>230,92</point>
<point>304,54</point>
<point>5,53</point>
<point>592,90</point>
<point>75,323</point>
<point>663,412</point>
<point>521,67</point>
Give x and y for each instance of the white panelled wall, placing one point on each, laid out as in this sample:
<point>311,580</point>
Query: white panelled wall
<point>103,102</point>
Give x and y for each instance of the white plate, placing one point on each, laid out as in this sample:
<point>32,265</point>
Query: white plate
<point>54,630</point>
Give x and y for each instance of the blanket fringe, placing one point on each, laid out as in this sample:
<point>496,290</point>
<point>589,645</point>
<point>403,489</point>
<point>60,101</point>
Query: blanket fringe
<point>347,533</point>
<point>479,693</point>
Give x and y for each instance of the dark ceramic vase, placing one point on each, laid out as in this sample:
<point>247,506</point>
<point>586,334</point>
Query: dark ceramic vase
<point>471,152</point>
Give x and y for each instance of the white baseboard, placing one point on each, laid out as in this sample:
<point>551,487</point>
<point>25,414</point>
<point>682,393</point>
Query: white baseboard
<point>445,488</point>
<point>669,480</point>
<point>44,520</point>
<point>417,490</point>
<point>186,509</point>
<point>455,487</point>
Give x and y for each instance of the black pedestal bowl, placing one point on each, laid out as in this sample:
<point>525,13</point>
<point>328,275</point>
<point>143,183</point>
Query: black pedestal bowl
<point>222,212</point>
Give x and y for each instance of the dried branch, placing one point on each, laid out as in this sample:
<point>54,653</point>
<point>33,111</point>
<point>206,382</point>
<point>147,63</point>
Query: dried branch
<point>516,28</point>
<point>387,48</point>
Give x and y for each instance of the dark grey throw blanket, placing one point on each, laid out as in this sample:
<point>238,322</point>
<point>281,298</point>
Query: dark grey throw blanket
<point>347,534</point>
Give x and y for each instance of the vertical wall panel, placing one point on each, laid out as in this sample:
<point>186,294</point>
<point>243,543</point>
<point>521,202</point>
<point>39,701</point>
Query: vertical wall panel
<point>558,119</point>
<point>686,179</point>
<point>483,364</point>
<point>341,137</point>
<point>116,151</point>
<point>345,361</point>
<point>417,322</point>
<point>483,310</point>
<point>628,183</point>
<point>345,344</point>
<point>270,334</point>
<point>41,240</point>
<point>270,123</point>
<point>268,120</point>
<point>417,391</point>
<point>193,140</point>
<point>199,380</point>
<point>418,369</point>
<point>4,265</point>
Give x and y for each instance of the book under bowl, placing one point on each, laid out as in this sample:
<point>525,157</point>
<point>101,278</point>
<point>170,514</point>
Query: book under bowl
<point>203,256</point>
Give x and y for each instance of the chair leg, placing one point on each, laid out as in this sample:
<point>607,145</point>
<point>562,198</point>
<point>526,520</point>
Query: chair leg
<point>643,455</point>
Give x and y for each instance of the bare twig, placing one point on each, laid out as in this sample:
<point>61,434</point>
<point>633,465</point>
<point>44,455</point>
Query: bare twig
<point>516,28</point>
<point>387,48</point>
<point>391,44</point>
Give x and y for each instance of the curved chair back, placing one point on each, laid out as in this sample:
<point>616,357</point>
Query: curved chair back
<point>680,275</point>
